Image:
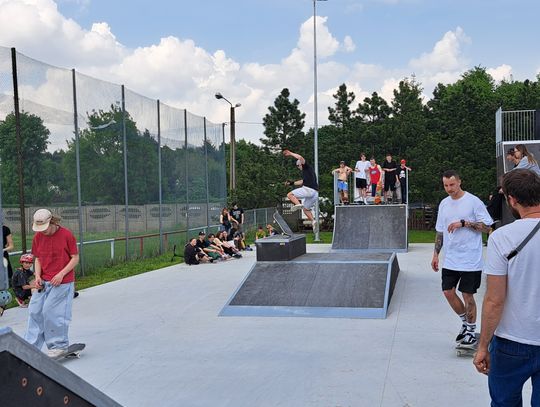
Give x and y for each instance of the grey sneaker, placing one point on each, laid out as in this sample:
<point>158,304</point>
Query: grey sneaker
<point>56,353</point>
<point>461,334</point>
<point>296,207</point>
<point>470,341</point>
<point>315,225</point>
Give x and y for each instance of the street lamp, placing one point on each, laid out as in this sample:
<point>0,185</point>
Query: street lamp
<point>316,121</point>
<point>232,171</point>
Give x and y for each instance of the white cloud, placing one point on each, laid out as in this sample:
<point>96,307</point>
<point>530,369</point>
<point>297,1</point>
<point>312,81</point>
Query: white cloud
<point>446,55</point>
<point>348,44</point>
<point>501,72</point>
<point>183,74</point>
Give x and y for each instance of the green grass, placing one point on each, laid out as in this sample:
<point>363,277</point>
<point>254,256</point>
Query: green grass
<point>112,272</point>
<point>421,236</point>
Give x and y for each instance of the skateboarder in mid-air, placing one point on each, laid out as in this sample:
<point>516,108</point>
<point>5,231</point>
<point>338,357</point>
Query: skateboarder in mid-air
<point>308,188</point>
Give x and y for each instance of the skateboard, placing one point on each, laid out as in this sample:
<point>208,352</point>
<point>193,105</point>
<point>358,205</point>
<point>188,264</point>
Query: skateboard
<point>461,351</point>
<point>73,352</point>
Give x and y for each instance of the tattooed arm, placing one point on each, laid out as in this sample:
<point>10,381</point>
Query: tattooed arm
<point>438,247</point>
<point>478,226</point>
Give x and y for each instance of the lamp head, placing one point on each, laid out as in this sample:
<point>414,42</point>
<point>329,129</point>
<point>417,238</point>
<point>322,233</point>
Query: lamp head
<point>219,95</point>
<point>237,105</point>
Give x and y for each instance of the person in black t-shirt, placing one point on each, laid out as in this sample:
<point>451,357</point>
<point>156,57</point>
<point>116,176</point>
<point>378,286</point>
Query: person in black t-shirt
<point>389,167</point>
<point>237,216</point>
<point>308,188</point>
<point>194,255</point>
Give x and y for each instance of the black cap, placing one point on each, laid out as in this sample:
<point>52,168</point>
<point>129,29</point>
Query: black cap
<point>202,233</point>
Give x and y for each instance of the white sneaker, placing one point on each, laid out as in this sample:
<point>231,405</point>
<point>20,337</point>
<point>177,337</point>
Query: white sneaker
<point>56,353</point>
<point>315,226</point>
<point>296,207</point>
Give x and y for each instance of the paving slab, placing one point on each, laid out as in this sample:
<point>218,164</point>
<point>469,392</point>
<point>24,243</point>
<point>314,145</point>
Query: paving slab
<point>156,340</point>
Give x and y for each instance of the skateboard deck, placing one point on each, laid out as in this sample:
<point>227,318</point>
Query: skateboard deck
<point>462,351</point>
<point>282,224</point>
<point>73,351</point>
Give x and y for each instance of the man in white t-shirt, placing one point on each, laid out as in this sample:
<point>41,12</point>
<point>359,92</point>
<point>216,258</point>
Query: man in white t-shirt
<point>360,174</point>
<point>511,309</point>
<point>461,219</point>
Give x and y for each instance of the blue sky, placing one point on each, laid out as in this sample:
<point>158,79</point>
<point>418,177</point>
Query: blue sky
<point>184,51</point>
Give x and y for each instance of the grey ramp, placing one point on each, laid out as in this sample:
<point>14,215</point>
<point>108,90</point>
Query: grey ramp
<point>350,285</point>
<point>319,285</point>
<point>370,228</point>
<point>30,378</point>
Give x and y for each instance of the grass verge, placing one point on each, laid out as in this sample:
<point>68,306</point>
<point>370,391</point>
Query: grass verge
<point>107,274</point>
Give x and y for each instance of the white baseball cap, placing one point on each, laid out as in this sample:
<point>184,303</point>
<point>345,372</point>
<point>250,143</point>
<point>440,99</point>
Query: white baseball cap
<point>42,218</point>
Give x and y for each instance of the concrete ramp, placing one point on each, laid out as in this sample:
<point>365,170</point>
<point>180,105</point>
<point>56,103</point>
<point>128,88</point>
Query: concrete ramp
<point>370,228</point>
<point>338,285</point>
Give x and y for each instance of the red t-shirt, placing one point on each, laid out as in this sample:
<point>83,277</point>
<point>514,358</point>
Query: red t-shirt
<point>374,174</point>
<point>54,252</point>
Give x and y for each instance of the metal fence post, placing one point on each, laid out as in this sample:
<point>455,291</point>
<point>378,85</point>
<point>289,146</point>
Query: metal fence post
<point>124,139</point>
<point>206,176</point>
<point>78,169</point>
<point>18,137</point>
<point>187,175</point>
<point>160,190</point>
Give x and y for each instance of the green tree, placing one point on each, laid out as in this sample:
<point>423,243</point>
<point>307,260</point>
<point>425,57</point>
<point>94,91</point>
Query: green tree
<point>341,115</point>
<point>373,109</point>
<point>34,140</point>
<point>102,161</point>
<point>283,125</point>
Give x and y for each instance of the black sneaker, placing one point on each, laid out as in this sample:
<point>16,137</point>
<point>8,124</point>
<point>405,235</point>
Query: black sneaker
<point>75,294</point>
<point>461,334</point>
<point>469,341</point>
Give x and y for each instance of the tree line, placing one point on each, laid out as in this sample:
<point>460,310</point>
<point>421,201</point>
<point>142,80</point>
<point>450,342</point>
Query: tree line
<point>455,129</point>
<point>51,177</point>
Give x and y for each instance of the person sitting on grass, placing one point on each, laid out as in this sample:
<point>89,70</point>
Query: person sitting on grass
<point>205,246</point>
<point>194,255</point>
<point>229,250</point>
<point>260,234</point>
<point>270,230</point>
<point>23,280</point>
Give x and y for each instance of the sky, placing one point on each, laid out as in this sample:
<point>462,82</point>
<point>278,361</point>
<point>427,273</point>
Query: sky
<point>183,52</point>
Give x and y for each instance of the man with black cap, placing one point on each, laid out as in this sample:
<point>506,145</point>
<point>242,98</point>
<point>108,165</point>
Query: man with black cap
<point>308,188</point>
<point>49,311</point>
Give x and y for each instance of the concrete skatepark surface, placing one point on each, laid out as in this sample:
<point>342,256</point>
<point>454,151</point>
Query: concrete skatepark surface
<point>156,340</point>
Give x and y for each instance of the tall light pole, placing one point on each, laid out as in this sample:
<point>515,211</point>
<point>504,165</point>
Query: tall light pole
<point>232,164</point>
<point>315,114</point>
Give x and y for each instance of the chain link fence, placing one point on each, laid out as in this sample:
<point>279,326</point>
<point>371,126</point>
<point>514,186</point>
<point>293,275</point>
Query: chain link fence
<point>129,175</point>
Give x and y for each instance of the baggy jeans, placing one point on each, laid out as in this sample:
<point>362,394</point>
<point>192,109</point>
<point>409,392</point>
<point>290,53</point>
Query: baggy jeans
<point>512,364</point>
<point>49,315</point>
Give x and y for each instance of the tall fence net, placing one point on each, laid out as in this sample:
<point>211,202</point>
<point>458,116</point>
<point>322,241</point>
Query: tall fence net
<point>129,175</point>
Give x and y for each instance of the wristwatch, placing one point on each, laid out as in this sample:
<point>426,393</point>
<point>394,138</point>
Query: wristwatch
<point>462,223</point>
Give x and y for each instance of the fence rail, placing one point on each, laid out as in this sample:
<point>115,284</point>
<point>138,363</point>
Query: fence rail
<point>113,163</point>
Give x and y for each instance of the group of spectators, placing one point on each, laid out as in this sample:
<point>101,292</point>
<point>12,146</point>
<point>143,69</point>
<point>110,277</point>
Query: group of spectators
<point>388,177</point>
<point>227,243</point>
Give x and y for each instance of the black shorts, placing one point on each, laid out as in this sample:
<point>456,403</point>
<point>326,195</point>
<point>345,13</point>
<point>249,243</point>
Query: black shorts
<point>389,185</point>
<point>361,183</point>
<point>469,281</point>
